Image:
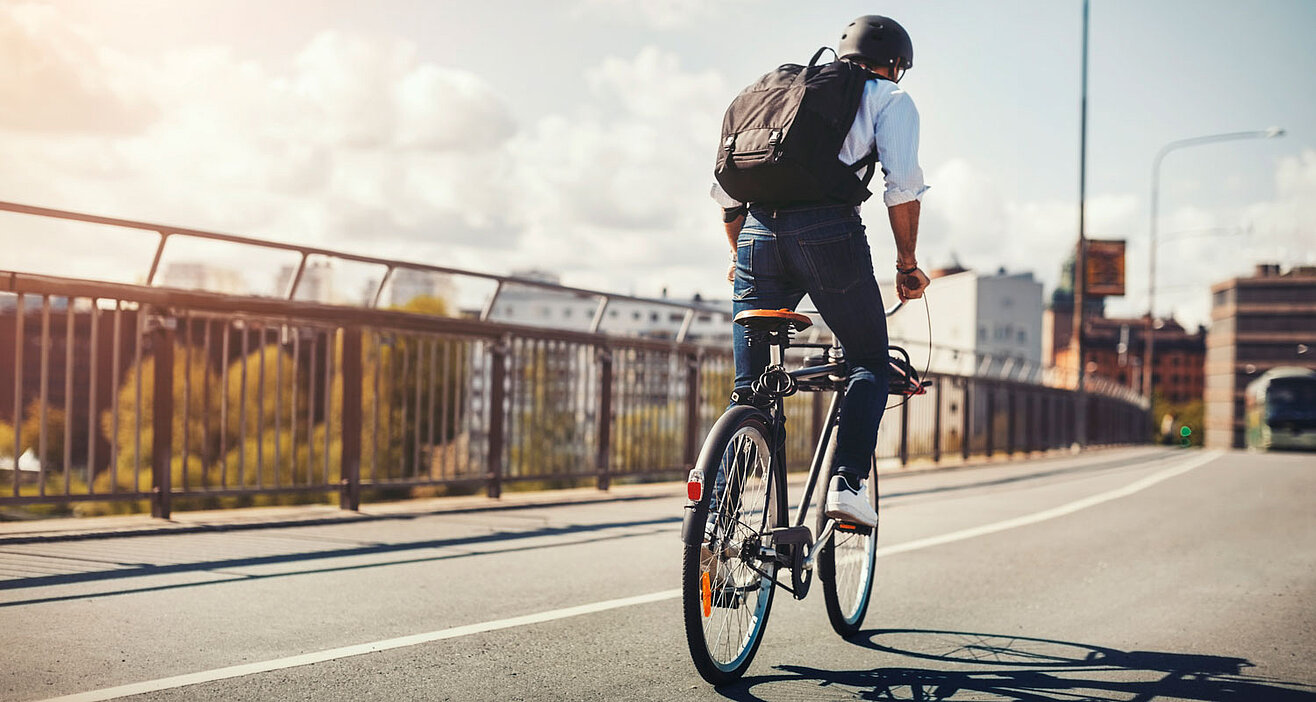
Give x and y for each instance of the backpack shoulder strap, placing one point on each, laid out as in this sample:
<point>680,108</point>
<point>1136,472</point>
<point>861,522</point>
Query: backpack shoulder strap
<point>866,162</point>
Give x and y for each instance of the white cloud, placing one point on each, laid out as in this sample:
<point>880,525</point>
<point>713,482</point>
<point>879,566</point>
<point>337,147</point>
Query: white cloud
<point>662,14</point>
<point>55,79</point>
<point>354,140</point>
<point>627,193</point>
<point>360,145</point>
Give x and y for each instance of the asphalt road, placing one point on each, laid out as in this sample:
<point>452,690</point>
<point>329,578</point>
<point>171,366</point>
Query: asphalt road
<point>1120,575</point>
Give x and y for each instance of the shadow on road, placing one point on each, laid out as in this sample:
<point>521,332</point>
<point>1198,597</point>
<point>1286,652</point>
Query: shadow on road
<point>970,666</point>
<point>224,566</point>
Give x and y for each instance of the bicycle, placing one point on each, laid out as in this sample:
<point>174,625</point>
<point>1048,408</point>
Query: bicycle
<point>736,535</point>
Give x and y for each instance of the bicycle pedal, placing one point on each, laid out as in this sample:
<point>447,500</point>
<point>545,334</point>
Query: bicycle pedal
<point>851,528</point>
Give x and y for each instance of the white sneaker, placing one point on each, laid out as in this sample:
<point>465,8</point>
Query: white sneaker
<point>849,505</point>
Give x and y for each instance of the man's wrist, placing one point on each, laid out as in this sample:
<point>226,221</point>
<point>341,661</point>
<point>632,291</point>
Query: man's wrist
<point>906,267</point>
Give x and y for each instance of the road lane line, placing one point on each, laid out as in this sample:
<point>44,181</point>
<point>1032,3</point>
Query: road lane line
<point>235,671</point>
<point>1044,515</point>
<point>568,612</point>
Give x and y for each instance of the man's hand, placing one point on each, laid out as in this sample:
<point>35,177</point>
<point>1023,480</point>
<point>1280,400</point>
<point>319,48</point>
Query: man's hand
<point>731,273</point>
<point>910,286</point>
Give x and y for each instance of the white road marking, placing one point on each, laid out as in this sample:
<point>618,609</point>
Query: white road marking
<point>236,671</point>
<point>1062,510</point>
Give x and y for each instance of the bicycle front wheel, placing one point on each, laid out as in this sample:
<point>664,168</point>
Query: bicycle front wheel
<point>846,566</point>
<point>726,584</point>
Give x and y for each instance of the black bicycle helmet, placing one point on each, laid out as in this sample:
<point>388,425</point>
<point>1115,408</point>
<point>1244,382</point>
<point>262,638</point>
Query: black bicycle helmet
<point>877,40</point>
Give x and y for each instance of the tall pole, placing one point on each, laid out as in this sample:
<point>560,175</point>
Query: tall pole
<point>1080,256</point>
<point>1148,356</point>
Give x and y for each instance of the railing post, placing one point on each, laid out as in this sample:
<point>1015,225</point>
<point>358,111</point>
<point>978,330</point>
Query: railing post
<point>497,415</point>
<point>1011,418</point>
<point>1030,429</point>
<point>691,409</point>
<point>162,417</point>
<point>602,464</point>
<point>991,421</point>
<point>936,420</point>
<point>1035,422</point>
<point>1048,440</point>
<point>966,420</point>
<point>350,459</point>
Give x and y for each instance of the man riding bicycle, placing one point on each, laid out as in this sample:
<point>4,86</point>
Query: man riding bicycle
<point>780,254</point>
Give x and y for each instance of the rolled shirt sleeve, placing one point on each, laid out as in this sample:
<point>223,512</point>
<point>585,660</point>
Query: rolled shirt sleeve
<point>895,134</point>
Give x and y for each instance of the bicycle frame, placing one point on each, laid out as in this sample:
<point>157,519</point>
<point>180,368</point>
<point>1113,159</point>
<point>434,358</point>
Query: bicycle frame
<point>835,374</point>
<point>774,418</point>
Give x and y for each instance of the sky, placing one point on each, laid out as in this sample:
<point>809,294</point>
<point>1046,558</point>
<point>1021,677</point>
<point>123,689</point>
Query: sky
<point>577,136</point>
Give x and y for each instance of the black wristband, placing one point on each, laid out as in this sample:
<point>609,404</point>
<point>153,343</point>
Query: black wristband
<point>906,271</point>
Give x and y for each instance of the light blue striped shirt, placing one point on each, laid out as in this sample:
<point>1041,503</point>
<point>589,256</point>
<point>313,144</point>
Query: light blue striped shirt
<point>888,121</point>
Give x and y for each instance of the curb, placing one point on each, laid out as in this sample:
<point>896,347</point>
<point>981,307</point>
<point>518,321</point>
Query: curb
<point>240,519</point>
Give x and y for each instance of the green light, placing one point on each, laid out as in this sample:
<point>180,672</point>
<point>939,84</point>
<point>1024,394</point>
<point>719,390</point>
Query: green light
<point>1185,432</point>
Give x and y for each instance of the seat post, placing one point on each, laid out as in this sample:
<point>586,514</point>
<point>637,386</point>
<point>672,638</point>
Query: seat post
<point>775,352</point>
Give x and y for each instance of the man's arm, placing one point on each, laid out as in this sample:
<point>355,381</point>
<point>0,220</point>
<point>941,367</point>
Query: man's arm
<point>904,226</point>
<point>733,233</point>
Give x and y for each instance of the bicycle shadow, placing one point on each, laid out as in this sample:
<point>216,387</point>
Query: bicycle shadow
<point>973,666</point>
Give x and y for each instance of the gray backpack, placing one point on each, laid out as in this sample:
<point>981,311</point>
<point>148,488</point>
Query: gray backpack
<point>782,134</point>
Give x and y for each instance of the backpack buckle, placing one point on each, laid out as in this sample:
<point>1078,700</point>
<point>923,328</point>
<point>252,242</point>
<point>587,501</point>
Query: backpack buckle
<point>729,144</point>
<point>774,137</point>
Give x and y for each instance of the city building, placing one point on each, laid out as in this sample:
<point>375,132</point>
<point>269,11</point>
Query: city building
<point>1114,349</point>
<point>316,284</point>
<point>193,275</point>
<point>1257,323</point>
<point>544,307</point>
<point>978,324</point>
<point>407,284</point>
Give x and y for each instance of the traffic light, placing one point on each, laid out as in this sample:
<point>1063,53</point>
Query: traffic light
<point>1185,432</point>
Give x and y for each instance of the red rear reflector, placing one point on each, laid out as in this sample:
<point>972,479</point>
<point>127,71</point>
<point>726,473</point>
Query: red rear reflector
<point>694,490</point>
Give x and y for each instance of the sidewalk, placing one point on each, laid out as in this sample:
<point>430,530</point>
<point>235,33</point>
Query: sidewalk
<point>68,528</point>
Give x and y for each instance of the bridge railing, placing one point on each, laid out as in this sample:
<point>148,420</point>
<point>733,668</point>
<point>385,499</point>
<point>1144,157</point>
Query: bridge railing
<point>121,394</point>
<point>125,393</point>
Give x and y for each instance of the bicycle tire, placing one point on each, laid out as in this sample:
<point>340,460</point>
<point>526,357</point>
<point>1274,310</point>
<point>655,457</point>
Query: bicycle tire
<point>847,565</point>
<point>726,597</point>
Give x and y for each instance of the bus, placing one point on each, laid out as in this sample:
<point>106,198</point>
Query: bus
<point>1280,410</point>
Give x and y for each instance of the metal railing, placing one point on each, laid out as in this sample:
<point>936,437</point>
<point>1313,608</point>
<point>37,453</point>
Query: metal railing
<point>127,393</point>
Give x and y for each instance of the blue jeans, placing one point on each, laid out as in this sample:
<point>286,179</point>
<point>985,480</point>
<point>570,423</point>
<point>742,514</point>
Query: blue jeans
<point>823,251</point>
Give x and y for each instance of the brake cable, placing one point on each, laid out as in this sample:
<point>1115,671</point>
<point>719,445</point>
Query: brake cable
<point>927,367</point>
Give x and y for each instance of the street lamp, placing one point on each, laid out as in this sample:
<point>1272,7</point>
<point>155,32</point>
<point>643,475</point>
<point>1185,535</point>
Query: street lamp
<point>1148,346</point>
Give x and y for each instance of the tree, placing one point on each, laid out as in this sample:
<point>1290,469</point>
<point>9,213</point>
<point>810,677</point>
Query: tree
<point>7,441</point>
<point>402,377</point>
<point>134,444</point>
<point>30,434</point>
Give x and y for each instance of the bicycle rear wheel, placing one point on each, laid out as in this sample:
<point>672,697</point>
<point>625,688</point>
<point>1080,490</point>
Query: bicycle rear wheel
<point>846,566</point>
<point>726,586</point>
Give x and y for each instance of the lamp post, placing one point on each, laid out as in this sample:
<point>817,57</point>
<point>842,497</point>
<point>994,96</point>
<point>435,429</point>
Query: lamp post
<point>1149,344</point>
<point>1080,256</point>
